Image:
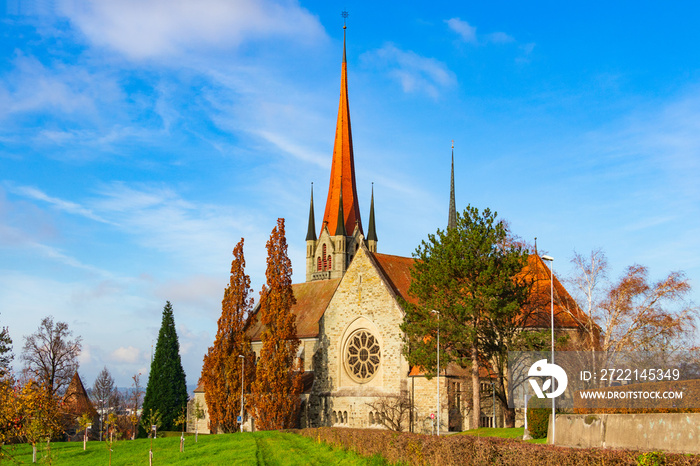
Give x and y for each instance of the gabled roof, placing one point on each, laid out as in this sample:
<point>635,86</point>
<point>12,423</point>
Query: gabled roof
<point>76,401</point>
<point>312,300</point>
<point>564,304</point>
<point>397,273</point>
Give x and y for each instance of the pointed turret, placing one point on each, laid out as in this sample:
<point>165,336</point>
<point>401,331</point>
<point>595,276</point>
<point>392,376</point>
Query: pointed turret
<point>311,232</point>
<point>340,225</point>
<point>372,229</point>
<point>452,220</point>
<point>343,165</point>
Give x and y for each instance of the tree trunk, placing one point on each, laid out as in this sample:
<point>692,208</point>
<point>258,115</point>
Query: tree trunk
<point>476,388</point>
<point>509,416</point>
<point>34,453</point>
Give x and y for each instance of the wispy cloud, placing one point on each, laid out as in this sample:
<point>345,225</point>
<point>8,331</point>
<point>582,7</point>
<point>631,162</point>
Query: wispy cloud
<point>142,29</point>
<point>414,72</point>
<point>60,204</point>
<point>467,33</point>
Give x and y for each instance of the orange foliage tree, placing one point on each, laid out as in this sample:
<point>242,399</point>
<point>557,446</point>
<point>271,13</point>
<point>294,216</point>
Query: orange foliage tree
<point>221,371</point>
<point>277,386</point>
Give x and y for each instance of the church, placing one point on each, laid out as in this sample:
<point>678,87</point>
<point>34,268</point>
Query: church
<point>348,314</point>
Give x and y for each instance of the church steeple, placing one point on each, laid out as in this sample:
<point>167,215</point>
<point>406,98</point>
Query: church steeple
<point>452,220</point>
<point>372,229</point>
<point>343,165</point>
<point>311,232</point>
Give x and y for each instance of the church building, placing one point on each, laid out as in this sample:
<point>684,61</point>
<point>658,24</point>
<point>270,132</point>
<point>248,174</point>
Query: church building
<point>348,314</point>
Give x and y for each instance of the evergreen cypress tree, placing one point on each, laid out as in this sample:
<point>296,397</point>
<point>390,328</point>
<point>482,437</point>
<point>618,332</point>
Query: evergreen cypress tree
<point>166,391</point>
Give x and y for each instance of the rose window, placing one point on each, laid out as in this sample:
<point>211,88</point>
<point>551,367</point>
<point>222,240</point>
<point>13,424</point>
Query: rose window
<point>362,356</point>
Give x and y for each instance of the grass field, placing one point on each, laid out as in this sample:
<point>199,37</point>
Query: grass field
<point>516,433</point>
<point>258,448</point>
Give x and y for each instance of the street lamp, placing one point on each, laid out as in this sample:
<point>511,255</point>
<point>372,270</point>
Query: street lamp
<point>242,380</point>
<point>438,370</point>
<point>551,301</point>
<point>102,415</point>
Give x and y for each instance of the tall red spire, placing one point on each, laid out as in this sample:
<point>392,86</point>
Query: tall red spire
<point>343,165</point>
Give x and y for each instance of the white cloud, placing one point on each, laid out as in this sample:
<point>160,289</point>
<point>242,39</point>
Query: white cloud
<point>151,28</point>
<point>126,354</point>
<point>31,86</point>
<point>463,29</point>
<point>415,73</point>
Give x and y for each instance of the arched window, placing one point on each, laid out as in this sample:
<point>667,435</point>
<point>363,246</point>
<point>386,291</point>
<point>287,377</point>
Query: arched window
<point>325,262</point>
<point>345,417</point>
<point>335,418</point>
<point>329,263</point>
<point>371,418</point>
<point>319,265</point>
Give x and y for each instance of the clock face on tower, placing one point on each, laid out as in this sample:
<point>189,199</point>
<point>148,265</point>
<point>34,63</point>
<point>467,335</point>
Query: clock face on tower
<point>362,356</point>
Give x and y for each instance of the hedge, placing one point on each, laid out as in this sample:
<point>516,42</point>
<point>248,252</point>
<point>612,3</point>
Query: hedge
<point>416,449</point>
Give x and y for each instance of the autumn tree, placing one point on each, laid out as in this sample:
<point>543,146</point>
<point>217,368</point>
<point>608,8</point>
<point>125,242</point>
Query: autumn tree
<point>38,415</point>
<point>277,386</point>
<point>51,356</point>
<point>221,371</point>
<point>465,282</point>
<point>631,313</point>
<point>166,391</point>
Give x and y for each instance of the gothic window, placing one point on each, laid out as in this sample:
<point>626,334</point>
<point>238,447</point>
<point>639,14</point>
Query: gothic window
<point>371,418</point>
<point>329,263</point>
<point>319,265</point>
<point>325,261</point>
<point>362,356</point>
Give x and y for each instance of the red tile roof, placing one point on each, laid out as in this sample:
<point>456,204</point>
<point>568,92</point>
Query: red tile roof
<point>397,271</point>
<point>567,314</point>
<point>312,301</point>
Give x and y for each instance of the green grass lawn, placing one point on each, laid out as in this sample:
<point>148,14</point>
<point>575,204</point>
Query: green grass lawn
<point>503,432</point>
<point>264,448</point>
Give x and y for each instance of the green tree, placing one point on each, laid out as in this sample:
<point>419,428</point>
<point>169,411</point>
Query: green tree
<point>277,386</point>
<point>166,391</point>
<point>221,371</point>
<point>467,275</point>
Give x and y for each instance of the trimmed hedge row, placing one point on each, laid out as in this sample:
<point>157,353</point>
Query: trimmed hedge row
<point>415,449</point>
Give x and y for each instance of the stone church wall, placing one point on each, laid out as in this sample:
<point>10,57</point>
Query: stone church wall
<point>361,302</point>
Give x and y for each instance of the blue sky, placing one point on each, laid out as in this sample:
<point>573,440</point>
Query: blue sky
<point>140,140</point>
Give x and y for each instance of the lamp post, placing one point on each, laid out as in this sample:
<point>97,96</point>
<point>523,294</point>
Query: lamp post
<point>550,259</point>
<point>242,381</point>
<point>493,402</point>
<point>438,370</point>
<point>102,415</point>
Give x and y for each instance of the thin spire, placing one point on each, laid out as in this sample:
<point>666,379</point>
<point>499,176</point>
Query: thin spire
<point>340,227</point>
<point>311,232</point>
<point>345,15</point>
<point>343,165</point>
<point>372,233</point>
<point>452,220</point>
